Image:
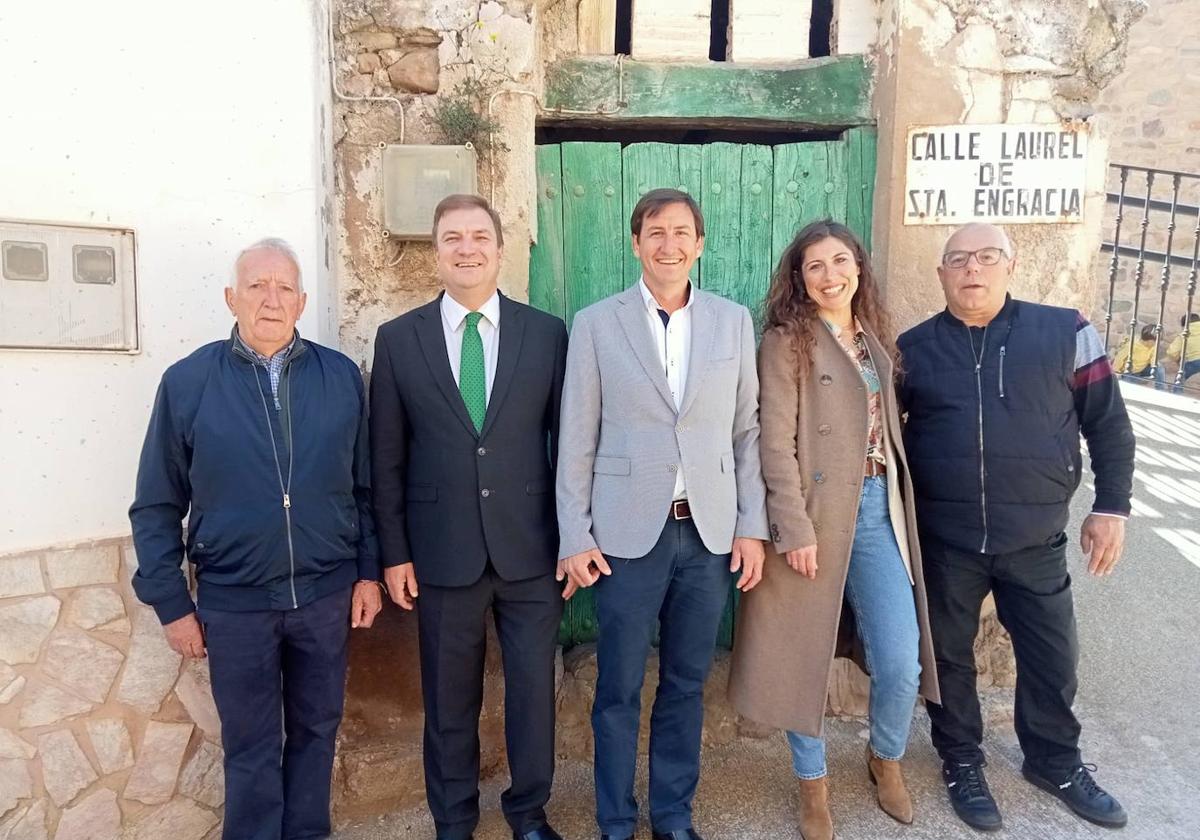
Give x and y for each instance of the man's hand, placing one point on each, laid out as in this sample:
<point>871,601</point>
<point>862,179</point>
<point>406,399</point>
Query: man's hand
<point>804,561</point>
<point>1102,537</point>
<point>748,555</point>
<point>365,603</point>
<point>401,584</point>
<point>581,570</point>
<point>185,637</point>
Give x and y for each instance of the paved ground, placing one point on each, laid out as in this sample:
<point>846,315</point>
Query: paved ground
<point>1139,701</point>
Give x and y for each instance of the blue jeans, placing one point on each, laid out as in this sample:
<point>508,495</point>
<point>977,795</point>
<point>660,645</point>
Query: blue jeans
<point>879,593</point>
<point>683,587</point>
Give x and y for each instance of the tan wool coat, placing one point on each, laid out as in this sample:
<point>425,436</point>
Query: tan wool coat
<point>813,446</point>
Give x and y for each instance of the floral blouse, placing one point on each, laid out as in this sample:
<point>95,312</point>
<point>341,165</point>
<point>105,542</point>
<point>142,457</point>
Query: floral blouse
<point>861,357</point>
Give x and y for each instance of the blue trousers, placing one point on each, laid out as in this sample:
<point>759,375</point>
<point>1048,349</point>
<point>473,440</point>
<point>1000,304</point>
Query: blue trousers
<point>681,587</point>
<point>879,593</point>
<point>279,680</point>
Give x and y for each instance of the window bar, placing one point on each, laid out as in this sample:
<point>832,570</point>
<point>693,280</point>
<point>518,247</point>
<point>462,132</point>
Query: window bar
<point>1115,261</point>
<point>1164,279</point>
<point>1139,273</point>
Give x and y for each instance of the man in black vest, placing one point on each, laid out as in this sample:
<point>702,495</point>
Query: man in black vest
<point>465,397</point>
<point>998,391</point>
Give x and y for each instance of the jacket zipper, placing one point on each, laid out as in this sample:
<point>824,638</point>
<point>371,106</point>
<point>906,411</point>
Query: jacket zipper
<point>978,357</point>
<point>284,488</point>
<point>1002,349</point>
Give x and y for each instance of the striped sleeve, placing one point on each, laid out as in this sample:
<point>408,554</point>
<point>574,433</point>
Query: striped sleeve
<point>1103,422</point>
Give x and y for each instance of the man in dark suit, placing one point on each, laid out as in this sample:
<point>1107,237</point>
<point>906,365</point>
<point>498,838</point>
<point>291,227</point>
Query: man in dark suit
<point>465,396</point>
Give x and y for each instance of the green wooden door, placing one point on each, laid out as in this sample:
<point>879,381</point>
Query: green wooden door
<point>754,199</point>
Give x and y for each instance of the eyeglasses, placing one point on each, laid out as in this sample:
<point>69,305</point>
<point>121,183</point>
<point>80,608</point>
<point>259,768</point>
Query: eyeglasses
<point>983,256</point>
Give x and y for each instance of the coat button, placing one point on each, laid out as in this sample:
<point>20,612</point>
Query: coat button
<point>485,492</point>
<point>672,468</point>
<point>819,477</point>
<point>824,429</point>
<point>481,452</point>
<point>826,379</point>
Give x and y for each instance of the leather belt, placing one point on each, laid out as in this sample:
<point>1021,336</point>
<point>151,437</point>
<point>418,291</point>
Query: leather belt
<point>681,510</point>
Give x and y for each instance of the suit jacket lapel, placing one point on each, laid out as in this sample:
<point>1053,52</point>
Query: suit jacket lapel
<point>702,339</point>
<point>433,345</point>
<point>512,332</point>
<point>632,316</point>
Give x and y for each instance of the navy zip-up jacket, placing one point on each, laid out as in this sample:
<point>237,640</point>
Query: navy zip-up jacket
<point>994,420</point>
<point>208,455</point>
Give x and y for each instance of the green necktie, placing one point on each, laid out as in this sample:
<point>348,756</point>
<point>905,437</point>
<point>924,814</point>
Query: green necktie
<point>472,378</point>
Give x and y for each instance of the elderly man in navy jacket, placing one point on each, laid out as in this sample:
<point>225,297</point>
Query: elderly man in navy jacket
<point>261,441</point>
<point>998,391</point>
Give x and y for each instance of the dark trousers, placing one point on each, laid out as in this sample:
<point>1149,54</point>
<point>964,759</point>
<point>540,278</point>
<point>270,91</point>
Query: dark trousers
<point>452,625</point>
<point>279,681</point>
<point>683,587</point>
<point>1032,591</point>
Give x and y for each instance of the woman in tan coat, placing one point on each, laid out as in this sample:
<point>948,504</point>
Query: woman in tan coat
<point>846,560</point>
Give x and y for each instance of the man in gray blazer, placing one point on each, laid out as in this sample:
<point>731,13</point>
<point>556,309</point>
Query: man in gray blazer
<point>660,497</point>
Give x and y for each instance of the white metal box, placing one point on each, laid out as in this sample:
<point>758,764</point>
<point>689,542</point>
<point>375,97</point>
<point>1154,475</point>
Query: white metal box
<point>67,287</point>
<point>416,178</point>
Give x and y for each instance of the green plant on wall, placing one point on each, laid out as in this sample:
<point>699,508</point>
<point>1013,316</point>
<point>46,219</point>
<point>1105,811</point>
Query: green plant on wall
<point>461,116</point>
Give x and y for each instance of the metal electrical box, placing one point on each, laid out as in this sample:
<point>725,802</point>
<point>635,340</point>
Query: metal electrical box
<point>416,178</point>
<point>67,287</point>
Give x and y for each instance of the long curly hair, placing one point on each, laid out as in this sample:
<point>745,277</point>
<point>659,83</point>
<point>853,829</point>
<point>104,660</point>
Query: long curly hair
<point>790,309</point>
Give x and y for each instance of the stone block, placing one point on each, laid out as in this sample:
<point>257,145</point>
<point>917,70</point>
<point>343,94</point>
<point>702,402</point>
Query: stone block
<point>65,769</point>
<point>153,778</point>
<point>367,63</point>
<point>96,817</point>
<point>420,37</point>
<point>26,625</point>
<point>15,783</point>
<point>390,57</point>
<point>152,667</point>
<point>27,823</point>
<point>121,626</point>
<point>179,819</point>
<point>194,691</point>
<point>47,704</point>
<point>85,666</point>
<point>10,683</point>
<point>14,746</point>
<point>83,566</point>
<point>416,72</point>
<point>111,743</point>
<point>203,777</point>
<point>21,576</point>
<point>375,41</point>
<point>91,608</point>
<point>358,85</point>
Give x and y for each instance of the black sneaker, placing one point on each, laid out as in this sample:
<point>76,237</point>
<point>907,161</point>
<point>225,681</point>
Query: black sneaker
<point>1079,792</point>
<point>970,797</point>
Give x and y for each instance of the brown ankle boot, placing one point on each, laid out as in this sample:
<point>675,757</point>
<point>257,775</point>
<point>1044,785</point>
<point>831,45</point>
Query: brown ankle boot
<point>815,821</point>
<point>890,790</point>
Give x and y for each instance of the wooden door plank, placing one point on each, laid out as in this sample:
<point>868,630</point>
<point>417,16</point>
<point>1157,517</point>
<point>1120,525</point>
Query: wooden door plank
<point>860,182</point>
<point>720,200</point>
<point>757,262</point>
<point>592,225</point>
<point>799,190</point>
<point>691,181</point>
<point>547,270</point>
<point>596,27</point>
<point>646,166</point>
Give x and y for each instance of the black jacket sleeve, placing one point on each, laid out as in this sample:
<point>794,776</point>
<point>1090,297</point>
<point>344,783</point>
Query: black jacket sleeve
<point>389,457</point>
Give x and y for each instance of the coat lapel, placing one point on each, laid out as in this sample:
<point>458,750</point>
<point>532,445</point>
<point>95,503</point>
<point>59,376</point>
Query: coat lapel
<point>631,313</point>
<point>703,334</point>
<point>512,333</point>
<point>433,346</point>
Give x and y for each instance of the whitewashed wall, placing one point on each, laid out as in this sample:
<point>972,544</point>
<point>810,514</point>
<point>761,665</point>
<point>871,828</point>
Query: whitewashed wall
<point>201,127</point>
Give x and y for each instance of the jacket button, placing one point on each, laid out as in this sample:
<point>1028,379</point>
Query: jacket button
<point>199,545</point>
<point>824,429</point>
<point>819,477</point>
<point>485,492</point>
<point>481,452</point>
<point>826,379</point>
<point>672,468</point>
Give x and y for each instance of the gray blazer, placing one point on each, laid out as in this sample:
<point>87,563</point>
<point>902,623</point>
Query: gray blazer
<point>621,440</point>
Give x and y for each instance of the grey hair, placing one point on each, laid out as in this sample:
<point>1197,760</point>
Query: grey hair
<point>270,243</point>
<point>1009,251</point>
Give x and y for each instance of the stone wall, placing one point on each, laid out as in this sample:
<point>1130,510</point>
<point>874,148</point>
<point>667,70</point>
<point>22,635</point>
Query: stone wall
<point>104,733</point>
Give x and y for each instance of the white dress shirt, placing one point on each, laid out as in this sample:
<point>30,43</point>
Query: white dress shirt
<point>454,321</point>
<point>674,342</point>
